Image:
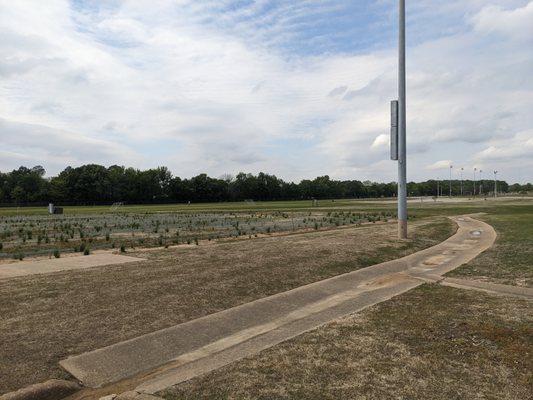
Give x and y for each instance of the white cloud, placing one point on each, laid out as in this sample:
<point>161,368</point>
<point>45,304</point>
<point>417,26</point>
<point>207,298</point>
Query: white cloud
<point>442,164</point>
<point>42,145</point>
<point>182,84</point>
<point>516,23</point>
<point>381,141</point>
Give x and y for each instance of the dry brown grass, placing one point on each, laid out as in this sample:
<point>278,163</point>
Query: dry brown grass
<point>431,343</point>
<point>45,318</point>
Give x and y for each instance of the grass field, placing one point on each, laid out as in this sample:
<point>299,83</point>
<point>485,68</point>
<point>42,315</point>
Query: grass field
<point>48,317</point>
<point>433,343</point>
<point>32,235</point>
<point>510,260</point>
<point>193,207</point>
<point>44,318</point>
<point>352,204</point>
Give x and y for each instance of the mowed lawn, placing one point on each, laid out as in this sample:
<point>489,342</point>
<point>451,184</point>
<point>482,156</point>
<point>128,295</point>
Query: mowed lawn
<point>433,342</point>
<point>510,260</point>
<point>45,318</point>
<point>237,206</point>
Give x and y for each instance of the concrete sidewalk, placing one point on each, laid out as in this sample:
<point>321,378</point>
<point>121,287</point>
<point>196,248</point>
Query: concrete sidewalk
<point>46,266</point>
<point>164,358</point>
<point>488,287</point>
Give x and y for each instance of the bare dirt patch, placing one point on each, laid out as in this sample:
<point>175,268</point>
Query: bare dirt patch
<point>44,266</point>
<point>431,343</point>
<point>45,318</point>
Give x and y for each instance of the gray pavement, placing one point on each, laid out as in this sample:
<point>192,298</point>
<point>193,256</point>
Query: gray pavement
<point>173,355</point>
<point>493,288</point>
<point>45,266</point>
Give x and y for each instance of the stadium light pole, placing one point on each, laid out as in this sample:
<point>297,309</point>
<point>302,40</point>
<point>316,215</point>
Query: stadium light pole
<point>495,184</point>
<point>402,125</point>
<point>474,194</point>
<point>462,169</point>
<point>451,167</point>
<point>480,183</point>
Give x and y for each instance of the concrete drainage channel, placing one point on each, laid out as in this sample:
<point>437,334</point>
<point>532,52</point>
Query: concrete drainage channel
<point>140,367</point>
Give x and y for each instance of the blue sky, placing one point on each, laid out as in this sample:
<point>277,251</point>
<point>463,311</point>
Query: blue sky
<point>297,88</point>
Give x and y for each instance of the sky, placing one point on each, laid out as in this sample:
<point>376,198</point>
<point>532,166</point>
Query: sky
<point>295,88</point>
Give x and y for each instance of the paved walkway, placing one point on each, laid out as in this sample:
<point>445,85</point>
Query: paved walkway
<point>493,288</point>
<point>45,266</point>
<point>167,357</point>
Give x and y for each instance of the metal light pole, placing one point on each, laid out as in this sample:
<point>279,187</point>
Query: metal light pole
<point>474,194</point>
<point>495,184</point>
<point>480,183</point>
<point>451,167</point>
<point>402,125</point>
<point>398,128</point>
<point>462,169</point>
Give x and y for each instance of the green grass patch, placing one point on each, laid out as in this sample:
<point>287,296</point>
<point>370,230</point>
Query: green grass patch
<point>510,260</point>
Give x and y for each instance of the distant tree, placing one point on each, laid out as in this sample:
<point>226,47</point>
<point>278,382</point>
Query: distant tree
<point>18,194</point>
<point>94,183</point>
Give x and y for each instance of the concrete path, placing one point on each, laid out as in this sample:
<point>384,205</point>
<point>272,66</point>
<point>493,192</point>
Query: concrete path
<point>493,288</point>
<point>45,266</point>
<point>167,357</point>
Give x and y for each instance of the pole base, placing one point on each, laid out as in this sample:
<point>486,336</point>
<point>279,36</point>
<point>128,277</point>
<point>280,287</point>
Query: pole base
<point>402,229</point>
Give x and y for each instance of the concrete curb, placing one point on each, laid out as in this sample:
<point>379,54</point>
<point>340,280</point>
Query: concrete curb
<point>53,389</point>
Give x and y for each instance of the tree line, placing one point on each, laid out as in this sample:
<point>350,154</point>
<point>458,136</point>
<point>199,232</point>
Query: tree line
<point>96,184</point>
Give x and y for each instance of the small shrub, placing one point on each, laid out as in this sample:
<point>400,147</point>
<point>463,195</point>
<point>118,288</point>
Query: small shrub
<point>86,252</point>
<point>107,237</point>
<point>122,248</point>
<point>57,254</point>
<point>1,245</point>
